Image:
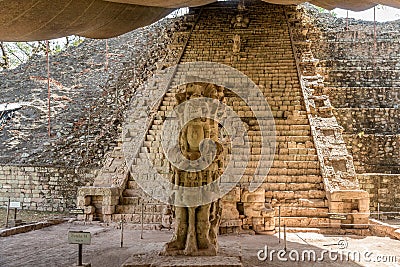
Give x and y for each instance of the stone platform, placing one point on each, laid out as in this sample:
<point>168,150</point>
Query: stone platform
<point>230,255</point>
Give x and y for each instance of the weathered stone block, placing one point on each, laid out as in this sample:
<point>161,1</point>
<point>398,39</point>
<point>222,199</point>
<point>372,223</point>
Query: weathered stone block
<point>233,195</point>
<point>257,196</point>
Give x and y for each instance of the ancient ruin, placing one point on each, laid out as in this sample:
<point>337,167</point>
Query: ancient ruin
<point>331,88</point>
<point>312,159</point>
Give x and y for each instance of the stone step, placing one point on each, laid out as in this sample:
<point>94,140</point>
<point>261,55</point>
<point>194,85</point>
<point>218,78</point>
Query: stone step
<point>130,200</point>
<point>288,128</point>
<point>297,121</point>
<point>296,151</point>
<point>303,222</point>
<point>292,132</point>
<point>127,209</point>
<point>302,212</point>
<point>310,194</point>
<point>285,154</point>
<point>136,218</point>
<point>293,179</point>
<point>236,104</point>
<point>276,91</point>
<point>280,103</point>
<point>287,172</point>
<point>297,139</point>
<point>312,203</point>
<point>296,165</point>
<point>136,208</point>
<point>292,186</point>
<point>131,192</point>
<point>293,157</point>
<point>254,136</point>
<point>254,160</point>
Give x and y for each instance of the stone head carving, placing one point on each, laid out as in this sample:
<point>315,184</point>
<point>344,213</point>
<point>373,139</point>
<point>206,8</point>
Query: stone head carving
<point>240,21</point>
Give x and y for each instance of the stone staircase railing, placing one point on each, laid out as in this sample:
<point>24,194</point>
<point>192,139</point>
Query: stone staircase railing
<point>348,204</point>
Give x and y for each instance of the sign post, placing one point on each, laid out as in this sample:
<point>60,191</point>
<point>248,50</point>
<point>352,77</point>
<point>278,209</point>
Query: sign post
<point>76,211</point>
<point>8,212</point>
<point>15,205</point>
<point>80,254</point>
<point>81,238</point>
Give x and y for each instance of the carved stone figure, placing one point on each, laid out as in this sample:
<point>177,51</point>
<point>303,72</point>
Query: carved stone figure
<point>240,21</point>
<point>241,7</point>
<point>196,228</point>
<point>236,43</point>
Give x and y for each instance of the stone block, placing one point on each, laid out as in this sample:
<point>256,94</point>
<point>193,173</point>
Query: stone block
<point>257,196</point>
<point>269,224</point>
<point>229,210</point>
<point>108,209</point>
<point>233,195</point>
<point>231,223</point>
<point>89,210</point>
<point>253,209</point>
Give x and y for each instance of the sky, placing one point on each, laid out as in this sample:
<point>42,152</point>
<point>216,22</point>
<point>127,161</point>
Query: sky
<point>383,13</point>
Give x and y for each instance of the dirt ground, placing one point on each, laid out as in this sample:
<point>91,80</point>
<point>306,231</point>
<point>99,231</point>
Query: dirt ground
<point>49,247</point>
<point>28,216</point>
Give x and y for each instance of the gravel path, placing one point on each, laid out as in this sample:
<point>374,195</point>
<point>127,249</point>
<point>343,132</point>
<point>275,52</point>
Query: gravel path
<point>49,247</point>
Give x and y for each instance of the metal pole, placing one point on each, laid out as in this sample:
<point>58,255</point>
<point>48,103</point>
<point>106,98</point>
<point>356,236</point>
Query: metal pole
<point>48,89</point>
<point>374,41</point>
<point>80,255</point>
<point>347,21</point>
<point>284,236</point>
<point>106,67</point>
<point>87,135</point>
<point>122,233</point>
<point>141,233</point>
<point>15,214</point>
<point>379,208</point>
<point>279,224</point>
<point>8,212</point>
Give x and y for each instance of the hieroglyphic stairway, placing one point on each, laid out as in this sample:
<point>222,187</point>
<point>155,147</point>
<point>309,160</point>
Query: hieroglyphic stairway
<point>259,44</point>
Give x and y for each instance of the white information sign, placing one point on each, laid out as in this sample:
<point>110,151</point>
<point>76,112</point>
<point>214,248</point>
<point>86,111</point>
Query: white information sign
<point>83,238</point>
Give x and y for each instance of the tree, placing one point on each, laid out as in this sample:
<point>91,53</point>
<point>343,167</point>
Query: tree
<point>13,54</point>
<point>4,59</point>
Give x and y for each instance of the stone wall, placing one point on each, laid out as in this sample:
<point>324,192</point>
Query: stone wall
<point>383,189</point>
<point>367,120</point>
<point>362,80</point>
<point>362,77</point>
<point>375,153</point>
<point>42,188</point>
<point>364,97</point>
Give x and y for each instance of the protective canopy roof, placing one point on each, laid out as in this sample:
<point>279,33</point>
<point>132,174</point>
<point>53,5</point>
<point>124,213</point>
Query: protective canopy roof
<point>28,20</point>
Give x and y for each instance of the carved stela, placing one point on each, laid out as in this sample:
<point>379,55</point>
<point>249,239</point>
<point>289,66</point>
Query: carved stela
<point>196,228</point>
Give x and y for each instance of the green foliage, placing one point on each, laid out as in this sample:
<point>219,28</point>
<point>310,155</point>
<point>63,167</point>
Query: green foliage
<point>13,54</point>
<point>323,10</point>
